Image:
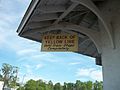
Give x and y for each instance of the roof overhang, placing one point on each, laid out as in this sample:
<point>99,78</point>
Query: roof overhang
<point>65,15</point>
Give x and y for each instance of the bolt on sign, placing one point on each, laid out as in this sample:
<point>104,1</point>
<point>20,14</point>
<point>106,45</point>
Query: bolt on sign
<point>60,42</point>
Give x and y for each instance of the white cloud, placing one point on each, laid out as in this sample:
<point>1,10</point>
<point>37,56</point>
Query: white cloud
<point>25,77</point>
<point>38,66</point>
<point>32,76</point>
<point>28,68</point>
<point>83,72</point>
<point>44,56</point>
<point>92,73</point>
<point>9,21</point>
<point>26,52</point>
<point>9,39</point>
<point>2,39</point>
<point>29,73</point>
<point>74,63</point>
<point>97,75</point>
<point>24,1</point>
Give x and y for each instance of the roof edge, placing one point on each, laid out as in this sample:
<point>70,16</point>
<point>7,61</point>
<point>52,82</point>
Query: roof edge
<point>27,15</point>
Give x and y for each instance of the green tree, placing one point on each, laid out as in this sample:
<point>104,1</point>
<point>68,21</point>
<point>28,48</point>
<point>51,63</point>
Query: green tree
<point>21,88</point>
<point>70,86</point>
<point>50,85</point>
<point>65,86</point>
<point>98,85</point>
<point>30,85</point>
<point>78,85</point>
<point>41,85</point>
<point>83,86</point>
<point>13,81</point>
<point>8,74</point>
<point>57,86</point>
<point>89,85</point>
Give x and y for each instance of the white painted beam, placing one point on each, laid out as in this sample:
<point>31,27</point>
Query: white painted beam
<point>33,25</point>
<point>89,4</point>
<point>71,32</point>
<point>44,17</point>
<point>93,35</point>
<point>50,9</point>
<point>98,0</point>
<point>66,12</point>
<point>55,9</point>
<point>85,40</point>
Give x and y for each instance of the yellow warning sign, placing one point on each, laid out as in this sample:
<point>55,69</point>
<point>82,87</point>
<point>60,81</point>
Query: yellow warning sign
<point>60,42</point>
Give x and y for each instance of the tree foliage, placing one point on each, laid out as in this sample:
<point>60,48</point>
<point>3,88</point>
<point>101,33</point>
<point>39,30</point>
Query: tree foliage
<point>8,75</point>
<point>41,85</point>
<point>30,85</point>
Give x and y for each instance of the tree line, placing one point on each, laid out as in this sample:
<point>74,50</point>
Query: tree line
<point>78,85</point>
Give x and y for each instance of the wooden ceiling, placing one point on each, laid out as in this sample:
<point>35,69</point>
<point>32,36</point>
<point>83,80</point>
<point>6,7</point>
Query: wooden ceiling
<point>47,13</point>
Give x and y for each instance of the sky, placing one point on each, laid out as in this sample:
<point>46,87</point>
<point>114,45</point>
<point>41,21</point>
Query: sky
<point>34,64</point>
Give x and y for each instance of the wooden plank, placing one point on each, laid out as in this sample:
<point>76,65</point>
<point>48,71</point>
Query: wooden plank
<point>44,17</point>
<point>50,9</point>
<point>66,12</point>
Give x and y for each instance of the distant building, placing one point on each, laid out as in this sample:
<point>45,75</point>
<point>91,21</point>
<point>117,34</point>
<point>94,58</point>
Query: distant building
<point>1,85</point>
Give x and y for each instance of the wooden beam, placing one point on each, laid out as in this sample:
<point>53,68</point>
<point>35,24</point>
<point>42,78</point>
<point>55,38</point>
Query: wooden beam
<point>84,40</point>
<point>105,21</point>
<point>44,17</point>
<point>98,0</point>
<point>88,47</point>
<point>66,12</point>
<point>67,26</point>
<point>71,32</point>
<point>33,25</point>
<point>50,9</point>
<point>55,9</point>
<point>93,35</point>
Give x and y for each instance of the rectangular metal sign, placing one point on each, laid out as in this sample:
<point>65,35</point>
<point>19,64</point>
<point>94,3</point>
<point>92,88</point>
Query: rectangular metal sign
<point>60,42</point>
